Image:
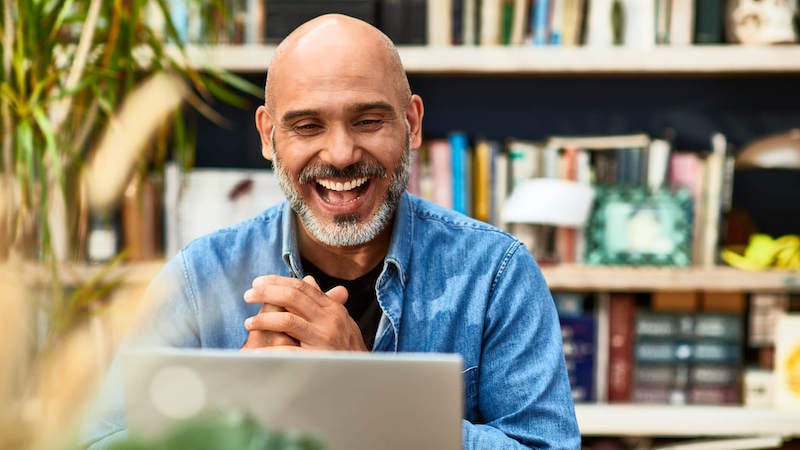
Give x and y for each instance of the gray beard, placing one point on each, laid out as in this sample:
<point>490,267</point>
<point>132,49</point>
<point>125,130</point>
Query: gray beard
<point>347,230</point>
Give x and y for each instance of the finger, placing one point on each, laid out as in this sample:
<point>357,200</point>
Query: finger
<point>310,280</point>
<point>284,322</point>
<point>285,292</point>
<point>258,339</point>
<point>297,296</point>
<point>338,294</point>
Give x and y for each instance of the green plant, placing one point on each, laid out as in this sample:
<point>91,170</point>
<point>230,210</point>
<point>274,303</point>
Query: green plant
<point>229,430</point>
<point>65,68</point>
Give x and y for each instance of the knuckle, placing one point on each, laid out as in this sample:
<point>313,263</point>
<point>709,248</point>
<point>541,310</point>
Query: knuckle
<point>287,321</point>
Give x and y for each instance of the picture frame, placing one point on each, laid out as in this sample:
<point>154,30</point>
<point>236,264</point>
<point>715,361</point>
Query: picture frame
<point>633,225</point>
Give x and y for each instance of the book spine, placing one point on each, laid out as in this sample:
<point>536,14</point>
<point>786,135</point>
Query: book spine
<point>708,22</point>
<point>541,21</point>
<point>439,22</point>
<point>459,159</point>
<point>621,313</point>
<point>482,161</point>
<point>681,25</point>
<point>440,156</point>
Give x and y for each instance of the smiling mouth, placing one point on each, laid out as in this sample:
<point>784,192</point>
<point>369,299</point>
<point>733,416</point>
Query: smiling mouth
<point>341,192</point>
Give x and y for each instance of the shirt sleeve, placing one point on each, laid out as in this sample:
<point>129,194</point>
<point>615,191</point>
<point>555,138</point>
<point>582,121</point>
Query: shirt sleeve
<point>523,388</point>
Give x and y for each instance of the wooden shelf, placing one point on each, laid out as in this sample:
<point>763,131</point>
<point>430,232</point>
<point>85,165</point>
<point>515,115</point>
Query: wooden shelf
<point>684,421</point>
<point>641,279</point>
<point>712,60</point>
<point>562,277</point>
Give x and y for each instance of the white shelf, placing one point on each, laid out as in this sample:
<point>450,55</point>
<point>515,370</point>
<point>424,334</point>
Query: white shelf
<point>685,421</point>
<point>712,60</point>
<point>646,279</point>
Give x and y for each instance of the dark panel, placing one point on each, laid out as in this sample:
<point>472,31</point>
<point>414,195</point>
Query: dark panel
<point>534,107</point>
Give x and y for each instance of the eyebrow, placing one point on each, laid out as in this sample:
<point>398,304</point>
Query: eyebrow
<point>379,105</point>
<point>359,108</point>
<point>290,115</point>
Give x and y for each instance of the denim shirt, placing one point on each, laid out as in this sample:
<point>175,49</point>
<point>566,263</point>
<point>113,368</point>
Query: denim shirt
<point>449,284</point>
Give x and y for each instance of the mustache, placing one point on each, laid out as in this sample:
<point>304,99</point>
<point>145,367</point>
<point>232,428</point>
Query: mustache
<point>356,170</point>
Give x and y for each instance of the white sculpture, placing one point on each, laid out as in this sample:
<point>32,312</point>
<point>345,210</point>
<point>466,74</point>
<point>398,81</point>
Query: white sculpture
<point>761,21</point>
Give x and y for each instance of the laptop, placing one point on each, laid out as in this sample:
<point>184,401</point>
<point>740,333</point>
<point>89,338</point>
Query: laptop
<point>351,400</point>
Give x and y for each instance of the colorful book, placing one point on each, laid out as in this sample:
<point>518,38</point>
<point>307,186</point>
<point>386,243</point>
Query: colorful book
<point>459,154</point>
<point>621,313</point>
<point>441,170</point>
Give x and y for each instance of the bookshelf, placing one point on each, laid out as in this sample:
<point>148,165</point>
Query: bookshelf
<point>500,64</point>
<point>710,59</point>
<point>572,277</point>
<point>685,421</point>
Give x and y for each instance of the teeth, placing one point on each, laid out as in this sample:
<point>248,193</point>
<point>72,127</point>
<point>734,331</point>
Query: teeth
<point>339,186</point>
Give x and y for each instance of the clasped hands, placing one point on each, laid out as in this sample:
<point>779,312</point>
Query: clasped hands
<point>296,315</point>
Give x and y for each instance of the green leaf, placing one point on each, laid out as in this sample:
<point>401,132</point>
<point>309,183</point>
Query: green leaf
<point>50,145</point>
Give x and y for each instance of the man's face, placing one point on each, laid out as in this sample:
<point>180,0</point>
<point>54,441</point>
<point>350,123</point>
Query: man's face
<point>340,140</point>
<point>345,229</point>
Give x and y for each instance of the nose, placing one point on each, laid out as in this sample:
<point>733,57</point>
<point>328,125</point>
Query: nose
<point>341,149</point>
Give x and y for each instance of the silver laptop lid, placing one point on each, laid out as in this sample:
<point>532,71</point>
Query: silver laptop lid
<point>352,400</point>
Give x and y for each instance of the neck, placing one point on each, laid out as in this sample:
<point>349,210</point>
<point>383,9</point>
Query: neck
<point>347,263</point>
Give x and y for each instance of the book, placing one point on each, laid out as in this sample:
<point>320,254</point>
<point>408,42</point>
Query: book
<point>712,202</point>
<point>460,166</point>
<point>765,309</point>
<point>621,314</point>
<point>540,22</point>
<point>441,170</point>
<point>787,362</point>
<point>681,24</point>
<point>440,23</point>
<point>500,186</point>
<point>525,160</point>
<point>662,21</point>
<point>556,22</point>
<point>469,22</point>
<point>708,22</point>
<point>573,22</point>
<point>457,28</point>
<point>578,341</point>
<point>403,21</point>
<point>674,301</point>
<point>639,25</point>
<point>519,20</point>
<point>599,28</point>
<point>483,159</point>
<point>687,171</point>
<point>490,22</point>
<point>723,301</point>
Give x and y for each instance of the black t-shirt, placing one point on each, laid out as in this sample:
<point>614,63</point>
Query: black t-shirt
<point>362,302</point>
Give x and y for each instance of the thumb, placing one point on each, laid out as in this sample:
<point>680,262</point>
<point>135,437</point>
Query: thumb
<point>338,294</point>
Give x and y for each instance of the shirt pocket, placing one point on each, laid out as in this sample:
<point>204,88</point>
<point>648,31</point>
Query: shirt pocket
<point>471,380</point>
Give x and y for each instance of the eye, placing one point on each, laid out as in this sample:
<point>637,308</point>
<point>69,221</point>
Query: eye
<point>307,129</point>
<point>369,124</point>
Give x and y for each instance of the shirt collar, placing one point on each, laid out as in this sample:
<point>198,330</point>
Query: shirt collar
<point>399,253</point>
<point>289,249</point>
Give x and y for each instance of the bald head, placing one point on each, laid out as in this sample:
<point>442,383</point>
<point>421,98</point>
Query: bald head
<point>330,39</point>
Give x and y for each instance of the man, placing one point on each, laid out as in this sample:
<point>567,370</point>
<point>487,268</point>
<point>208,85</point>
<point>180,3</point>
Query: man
<point>353,262</point>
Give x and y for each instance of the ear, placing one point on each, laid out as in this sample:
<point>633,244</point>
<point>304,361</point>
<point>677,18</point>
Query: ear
<point>264,124</point>
<point>414,114</point>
